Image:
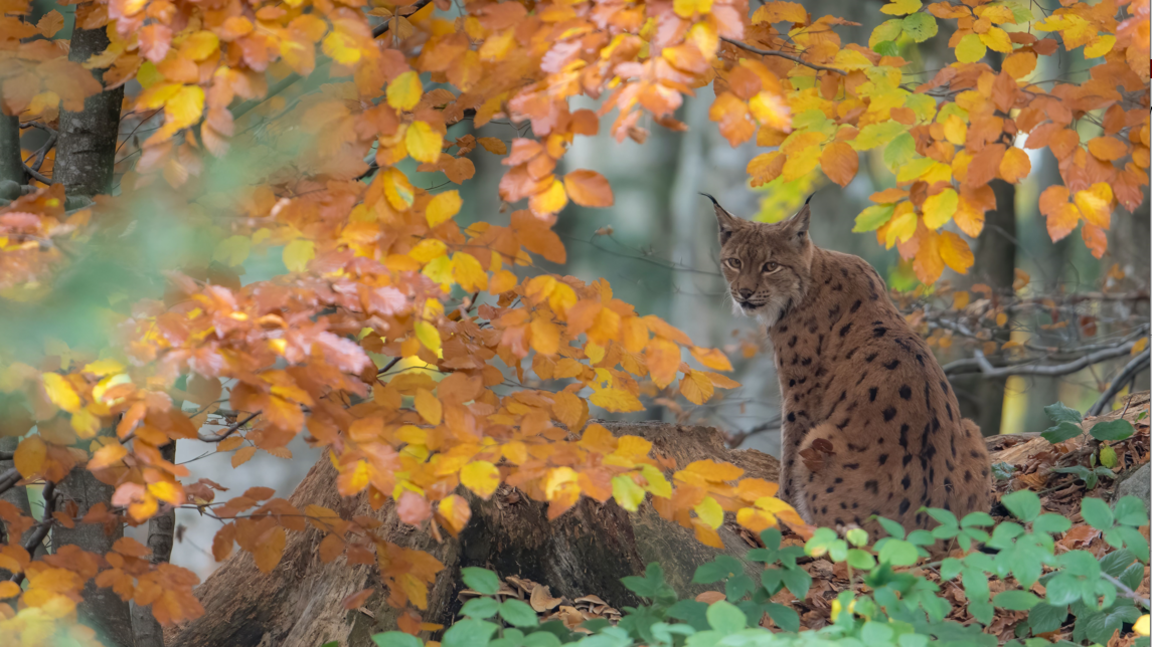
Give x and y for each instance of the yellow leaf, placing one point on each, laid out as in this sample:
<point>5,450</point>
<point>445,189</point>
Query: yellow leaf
<point>85,423</point>
<point>710,512</point>
<point>455,513</point>
<point>713,358</point>
<point>1141,626</point>
<point>970,48</point>
<point>443,207</point>
<point>341,47</point>
<point>938,209</point>
<point>696,387</point>
<point>200,45</point>
<point>995,39</point>
<point>545,336</point>
<point>961,299</point>
<point>102,367</point>
<point>850,59</point>
<point>1095,204</point>
<point>428,407</point>
<point>404,91</point>
<point>424,144</point>
<point>901,227</point>
<point>901,7</point>
<point>616,400</point>
<point>551,200</point>
<point>468,272</point>
<point>233,251</point>
<point>429,336</point>
<point>1101,46</point>
<point>627,493</point>
<point>1140,345</point>
<point>481,477</point>
<point>955,252</point>
<point>658,484</point>
<point>955,130</point>
<point>297,254</point>
<point>687,8</point>
<point>185,108</point>
<point>397,189</point>
<point>61,393</point>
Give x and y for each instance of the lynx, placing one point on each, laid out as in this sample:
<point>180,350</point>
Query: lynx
<point>870,423</point>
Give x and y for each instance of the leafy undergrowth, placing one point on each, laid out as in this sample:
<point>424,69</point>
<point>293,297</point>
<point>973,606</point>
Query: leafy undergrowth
<point>1055,562</point>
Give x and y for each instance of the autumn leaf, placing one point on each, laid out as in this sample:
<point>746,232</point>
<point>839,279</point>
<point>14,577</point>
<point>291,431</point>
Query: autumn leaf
<point>298,253</point>
<point>184,108</point>
<point>424,144</point>
<point>481,477</point>
<point>588,188</point>
<point>30,455</point>
<point>404,91</point>
<point>443,207</point>
<point>51,23</point>
<point>616,401</point>
<point>839,161</point>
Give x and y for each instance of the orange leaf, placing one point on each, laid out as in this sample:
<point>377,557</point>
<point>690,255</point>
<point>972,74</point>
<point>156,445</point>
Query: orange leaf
<point>588,188</point>
<point>1062,216</point>
<point>428,407</point>
<point>107,456</point>
<point>51,23</point>
<point>1095,204</point>
<point>1015,165</point>
<point>357,600</point>
<point>712,358</point>
<point>1107,149</point>
<point>839,161</point>
<point>30,455</point>
<point>663,359</point>
<point>270,549</point>
<point>1095,238</point>
<point>330,548</point>
<point>696,387</point>
<point>955,252</point>
<point>454,513</point>
<point>545,336</point>
<point>243,456</point>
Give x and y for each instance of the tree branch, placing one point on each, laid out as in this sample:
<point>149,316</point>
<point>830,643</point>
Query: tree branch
<point>980,364</point>
<point>38,533</point>
<point>231,430</point>
<point>1138,363</point>
<point>775,52</point>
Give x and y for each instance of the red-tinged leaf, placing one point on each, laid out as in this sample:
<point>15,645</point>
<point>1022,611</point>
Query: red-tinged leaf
<point>330,548</point>
<point>357,600</point>
<point>412,508</point>
<point>1095,238</point>
<point>588,189</point>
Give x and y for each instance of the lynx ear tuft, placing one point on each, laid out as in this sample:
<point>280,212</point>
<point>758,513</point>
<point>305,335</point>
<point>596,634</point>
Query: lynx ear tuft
<point>799,223</point>
<point>726,221</point>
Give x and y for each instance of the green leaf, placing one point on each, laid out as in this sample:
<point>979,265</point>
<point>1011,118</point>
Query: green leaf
<point>691,612</point>
<point>395,639</point>
<point>876,633</point>
<point>978,519</point>
<point>944,517</point>
<point>481,580</point>
<point>874,135</point>
<point>726,617</point>
<point>771,539</point>
<point>1044,617</point>
<point>898,552</point>
<point>1130,511</point>
<point>518,614</point>
<point>873,217</point>
<point>1118,429</point>
<point>920,26</point>
<point>738,586</point>
<point>540,639</point>
<point>1060,413</point>
<point>887,31</point>
<point>857,536</point>
<point>1062,590</point>
<point>649,586</point>
<point>1096,513</point>
<point>721,568</point>
<point>891,527</point>
<point>1107,456</point>
<point>1003,471</point>
<point>1015,600</point>
<point>482,608</point>
<point>900,151</point>
<point>1051,524</point>
<point>1061,432</point>
<point>861,559</point>
<point>915,169</point>
<point>785,618</point>
<point>886,48</point>
<point>1023,504</point>
<point>798,581</point>
<point>1115,562</point>
<point>469,633</point>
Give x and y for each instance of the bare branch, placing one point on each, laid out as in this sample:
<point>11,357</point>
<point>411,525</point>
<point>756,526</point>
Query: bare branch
<point>1125,592</point>
<point>36,175</point>
<point>776,52</point>
<point>1138,363</point>
<point>231,430</point>
<point>980,364</point>
<point>40,531</point>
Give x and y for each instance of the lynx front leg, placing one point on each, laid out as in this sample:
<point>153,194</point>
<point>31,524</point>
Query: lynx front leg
<point>791,436</point>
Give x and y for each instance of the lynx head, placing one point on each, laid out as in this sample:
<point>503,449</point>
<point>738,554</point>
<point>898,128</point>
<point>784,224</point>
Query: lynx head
<point>768,266</point>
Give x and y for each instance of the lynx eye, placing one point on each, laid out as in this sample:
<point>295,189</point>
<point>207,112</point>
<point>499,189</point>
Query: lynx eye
<point>732,263</point>
<point>770,267</point>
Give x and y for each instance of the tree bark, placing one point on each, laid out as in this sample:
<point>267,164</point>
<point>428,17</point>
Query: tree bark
<point>11,164</point>
<point>102,609</point>
<point>86,149</point>
<point>147,629</point>
<point>982,399</point>
<point>585,551</point>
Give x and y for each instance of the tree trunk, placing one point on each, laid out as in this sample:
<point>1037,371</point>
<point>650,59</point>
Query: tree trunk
<point>11,164</point>
<point>147,630</point>
<point>585,551</point>
<point>101,609</point>
<point>982,399</point>
<point>86,149</point>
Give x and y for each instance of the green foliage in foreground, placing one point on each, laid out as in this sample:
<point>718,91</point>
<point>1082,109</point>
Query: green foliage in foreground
<point>902,609</point>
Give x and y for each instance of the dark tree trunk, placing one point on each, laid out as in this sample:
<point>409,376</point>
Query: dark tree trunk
<point>982,399</point>
<point>101,609</point>
<point>86,149</point>
<point>11,164</point>
<point>148,631</point>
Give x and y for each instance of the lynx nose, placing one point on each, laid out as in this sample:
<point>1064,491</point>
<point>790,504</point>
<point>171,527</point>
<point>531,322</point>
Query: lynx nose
<point>744,293</point>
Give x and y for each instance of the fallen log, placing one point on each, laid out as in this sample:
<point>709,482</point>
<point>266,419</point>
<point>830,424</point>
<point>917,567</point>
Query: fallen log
<point>586,551</point>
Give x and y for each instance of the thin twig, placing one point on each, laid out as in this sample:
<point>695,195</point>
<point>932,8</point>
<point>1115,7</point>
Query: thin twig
<point>40,531</point>
<point>228,432</point>
<point>1138,363</point>
<point>980,364</point>
<point>36,175</point>
<point>1126,592</point>
<point>775,52</point>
